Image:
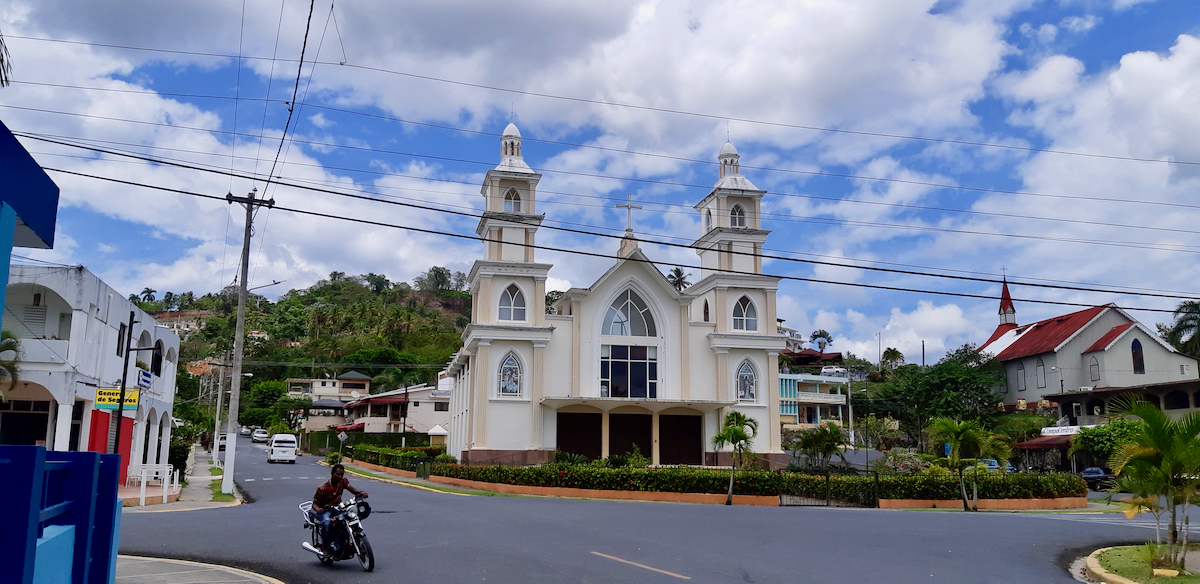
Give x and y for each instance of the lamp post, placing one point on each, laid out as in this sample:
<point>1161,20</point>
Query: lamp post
<point>116,435</point>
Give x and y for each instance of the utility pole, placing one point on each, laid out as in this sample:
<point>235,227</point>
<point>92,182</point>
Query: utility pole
<point>216,439</point>
<point>114,431</point>
<point>235,381</point>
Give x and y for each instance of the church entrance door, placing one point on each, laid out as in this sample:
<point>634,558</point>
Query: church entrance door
<point>580,433</point>
<point>625,430</point>
<point>680,439</point>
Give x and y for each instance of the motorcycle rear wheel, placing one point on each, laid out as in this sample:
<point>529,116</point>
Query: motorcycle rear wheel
<point>366,557</point>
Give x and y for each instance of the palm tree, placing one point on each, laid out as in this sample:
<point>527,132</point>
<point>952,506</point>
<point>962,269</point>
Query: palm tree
<point>1165,452</point>
<point>387,380</point>
<point>10,359</point>
<point>963,437</point>
<point>169,300</point>
<point>148,294</point>
<point>678,279</point>
<point>822,338</point>
<point>1184,333</point>
<point>5,64</point>
<point>820,444</point>
<point>892,358</point>
<point>738,433</point>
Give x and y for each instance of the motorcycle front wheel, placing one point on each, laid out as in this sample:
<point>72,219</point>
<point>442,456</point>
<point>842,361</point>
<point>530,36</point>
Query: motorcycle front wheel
<point>365,556</point>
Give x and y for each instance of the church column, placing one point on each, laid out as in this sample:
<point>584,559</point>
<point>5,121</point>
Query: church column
<point>484,315</point>
<point>722,212</point>
<point>685,346</point>
<point>483,366</point>
<point>535,395</point>
<point>758,258</point>
<point>467,384</point>
<point>772,327</point>
<point>576,340</point>
<point>539,301</point>
<point>775,443</point>
<point>724,391</point>
<point>529,249</point>
<point>654,433</point>
<point>721,317</point>
<point>604,434</point>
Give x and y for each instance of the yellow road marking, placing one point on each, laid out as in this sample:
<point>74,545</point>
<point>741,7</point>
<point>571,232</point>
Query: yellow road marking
<point>643,566</point>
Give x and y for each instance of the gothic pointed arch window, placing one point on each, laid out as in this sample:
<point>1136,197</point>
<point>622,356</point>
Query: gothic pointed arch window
<point>1040,371</point>
<point>1139,362</point>
<point>747,383</point>
<point>629,316</point>
<point>510,376</point>
<point>1020,377</point>
<point>745,316</point>
<point>737,216</point>
<point>708,220</point>
<point>512,201</point>
<point>706,311</point>
<point>1094,369</point>
<point>512,303</point>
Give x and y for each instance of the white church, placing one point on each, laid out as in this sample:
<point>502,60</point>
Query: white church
<point>626,361</point>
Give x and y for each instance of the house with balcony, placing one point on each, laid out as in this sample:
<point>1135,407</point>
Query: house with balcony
<point>345,388</point>
<point>73,330</point>
<point>1083,360</point>
<point>428,408</point>
<point>808,401</point>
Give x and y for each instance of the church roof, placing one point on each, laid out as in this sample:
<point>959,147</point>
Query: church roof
<point>1109,337</point>
<point>511,130</point>
<point>1046,335</point>
<point>735,182</point>
<point>1006,302</point>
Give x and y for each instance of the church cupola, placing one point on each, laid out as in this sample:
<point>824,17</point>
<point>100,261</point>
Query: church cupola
<point>728,159</point>
<point>510,150</point>
<point>1008,312</point>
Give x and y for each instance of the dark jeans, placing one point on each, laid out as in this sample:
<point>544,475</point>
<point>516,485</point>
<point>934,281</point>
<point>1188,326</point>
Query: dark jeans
<point>323,520</point>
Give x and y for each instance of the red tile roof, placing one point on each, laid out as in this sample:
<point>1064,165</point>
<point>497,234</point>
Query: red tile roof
<point>1043,336</point>
<point>1108,337</point>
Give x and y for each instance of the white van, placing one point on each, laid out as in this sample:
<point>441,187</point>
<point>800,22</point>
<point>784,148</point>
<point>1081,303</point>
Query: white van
<point>282,448</point>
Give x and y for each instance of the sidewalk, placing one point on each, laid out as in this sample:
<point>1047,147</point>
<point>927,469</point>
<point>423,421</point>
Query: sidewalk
<point>137,569</point>
<point>197,494</point>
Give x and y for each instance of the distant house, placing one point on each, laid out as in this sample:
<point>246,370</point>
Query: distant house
<point>1082,360</point>
<point>184,322</point>
<point>428,407</point>
<point>346,387</point>
<point>325,414</point>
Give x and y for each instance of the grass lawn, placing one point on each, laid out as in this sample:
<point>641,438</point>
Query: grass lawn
<point>217,495</point>
<point>1131,563</point>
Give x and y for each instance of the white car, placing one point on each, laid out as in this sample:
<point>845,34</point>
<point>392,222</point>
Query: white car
<point>260,435</point>
<point>282,448</point>
<point>833,371</point>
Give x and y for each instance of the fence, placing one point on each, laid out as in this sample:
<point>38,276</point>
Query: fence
<point>828,487</point>
<point>63,516</point>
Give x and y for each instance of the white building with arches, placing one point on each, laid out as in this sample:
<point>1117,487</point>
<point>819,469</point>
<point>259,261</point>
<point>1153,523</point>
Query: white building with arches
<point>72,327</point>
<point>627,360</point>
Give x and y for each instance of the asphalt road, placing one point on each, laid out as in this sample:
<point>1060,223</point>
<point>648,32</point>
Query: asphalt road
<point>422,537</point>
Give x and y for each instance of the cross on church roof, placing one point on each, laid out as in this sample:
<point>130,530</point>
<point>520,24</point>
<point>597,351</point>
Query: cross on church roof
<point>629,207</point>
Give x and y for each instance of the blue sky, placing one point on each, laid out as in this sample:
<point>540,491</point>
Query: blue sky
<point>415,112</point>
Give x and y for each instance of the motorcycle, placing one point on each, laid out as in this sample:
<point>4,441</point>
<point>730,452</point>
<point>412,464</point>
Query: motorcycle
<point>345,531</point>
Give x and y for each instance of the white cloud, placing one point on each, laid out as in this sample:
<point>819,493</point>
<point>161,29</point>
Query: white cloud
<point>1078,24</point>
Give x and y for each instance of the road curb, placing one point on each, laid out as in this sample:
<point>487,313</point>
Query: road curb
<point>238,571</point>
<point>1094,570</point>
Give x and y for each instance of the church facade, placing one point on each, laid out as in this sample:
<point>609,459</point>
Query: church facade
<point>628,362</point>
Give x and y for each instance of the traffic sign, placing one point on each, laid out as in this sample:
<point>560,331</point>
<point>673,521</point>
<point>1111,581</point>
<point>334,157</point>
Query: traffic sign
<point>144,379</point>
<point>343,436</point>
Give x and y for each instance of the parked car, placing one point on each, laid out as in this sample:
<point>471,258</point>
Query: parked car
<point>990,463</point>
<point>260,435</point>
<point>1095,477</point>
<point>245,431</point>
<point>221,442</point>
<point>833,371</point>
<point>282,448</point>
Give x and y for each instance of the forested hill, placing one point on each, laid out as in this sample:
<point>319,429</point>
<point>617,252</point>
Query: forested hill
<point>367,323</point>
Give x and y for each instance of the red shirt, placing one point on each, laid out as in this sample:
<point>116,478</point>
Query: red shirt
<point>330,493</point>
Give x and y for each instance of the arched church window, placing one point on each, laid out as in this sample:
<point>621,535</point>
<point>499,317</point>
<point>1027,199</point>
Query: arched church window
<point>1139,362</point>
<point>512,201</point>
<point>705,311</point>
<point>629,316</point>
<point>708,221</point>
<point>745,317</point>
<point>1020,377</point>
<point>1040,371</point>
<point>737,217</point>
<point>512,304</point>
<point>1094,370</point>
<point>510,376</point>
<point>747,383</point>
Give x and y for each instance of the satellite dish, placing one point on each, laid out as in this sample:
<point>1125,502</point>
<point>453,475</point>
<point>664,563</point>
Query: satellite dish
<point>354,394</point>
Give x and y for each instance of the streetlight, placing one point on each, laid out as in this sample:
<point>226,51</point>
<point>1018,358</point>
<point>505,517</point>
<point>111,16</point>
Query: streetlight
<point>124,375</point>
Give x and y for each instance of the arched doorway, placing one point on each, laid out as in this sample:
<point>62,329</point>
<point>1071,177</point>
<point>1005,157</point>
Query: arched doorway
<point>25,416</point>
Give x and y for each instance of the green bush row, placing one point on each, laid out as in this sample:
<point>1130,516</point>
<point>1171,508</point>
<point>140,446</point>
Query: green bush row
<point>402,458</point>
<point>991,486</point>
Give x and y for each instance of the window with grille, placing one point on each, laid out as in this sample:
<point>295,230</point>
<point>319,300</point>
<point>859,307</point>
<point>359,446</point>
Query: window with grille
<point>737,217</point>
<point>512,201</point>
<point>628,371</point>
<point>745,317</point>
<point>512,304</point>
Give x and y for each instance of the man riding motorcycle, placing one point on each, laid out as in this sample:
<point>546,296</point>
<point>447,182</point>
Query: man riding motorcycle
<point>328,495</point>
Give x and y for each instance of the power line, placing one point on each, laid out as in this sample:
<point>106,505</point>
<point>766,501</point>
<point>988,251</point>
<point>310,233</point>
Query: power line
<point>1030,149</point>
<point>617,257</point>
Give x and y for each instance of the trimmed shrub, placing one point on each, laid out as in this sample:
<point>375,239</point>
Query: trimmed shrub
<point>445,458</point>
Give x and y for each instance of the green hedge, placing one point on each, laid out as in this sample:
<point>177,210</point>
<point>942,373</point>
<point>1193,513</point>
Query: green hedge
<point>402,458</point>
<point>315,441</point>
<point>669,479</point>
<point>1005,486</point>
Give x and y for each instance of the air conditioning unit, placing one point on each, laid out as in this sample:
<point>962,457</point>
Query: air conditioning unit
<point>1086,387</point>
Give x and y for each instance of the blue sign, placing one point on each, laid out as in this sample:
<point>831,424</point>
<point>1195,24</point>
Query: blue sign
<point>947,446</point>
<point>144,379</point>
<point>26,188</point>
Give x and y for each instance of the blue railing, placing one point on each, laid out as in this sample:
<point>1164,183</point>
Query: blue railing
<point>63,516</point>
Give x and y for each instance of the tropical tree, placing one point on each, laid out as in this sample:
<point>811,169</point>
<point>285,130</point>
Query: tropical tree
<point>891,359</point>
<point>387,380</point>
<point>1184,332</point>
<point>10,359</point>
<point>148,294</point>
<point>1164,454</point>
<point>964,438</point>
<point>820,445</point>
<point>822,338</point>
<point>738,433</point>
<point>678,279</point>
<point>5,64</point>
<point>168,300</point>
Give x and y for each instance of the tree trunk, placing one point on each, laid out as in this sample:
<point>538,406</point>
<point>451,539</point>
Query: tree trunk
<point>729,497</point>
<point>962,487</point>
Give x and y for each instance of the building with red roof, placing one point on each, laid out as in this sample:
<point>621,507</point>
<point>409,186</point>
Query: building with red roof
<point>1081,360</point>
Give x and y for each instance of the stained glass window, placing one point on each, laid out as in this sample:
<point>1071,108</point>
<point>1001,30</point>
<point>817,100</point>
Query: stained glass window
<point>510,376</point>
